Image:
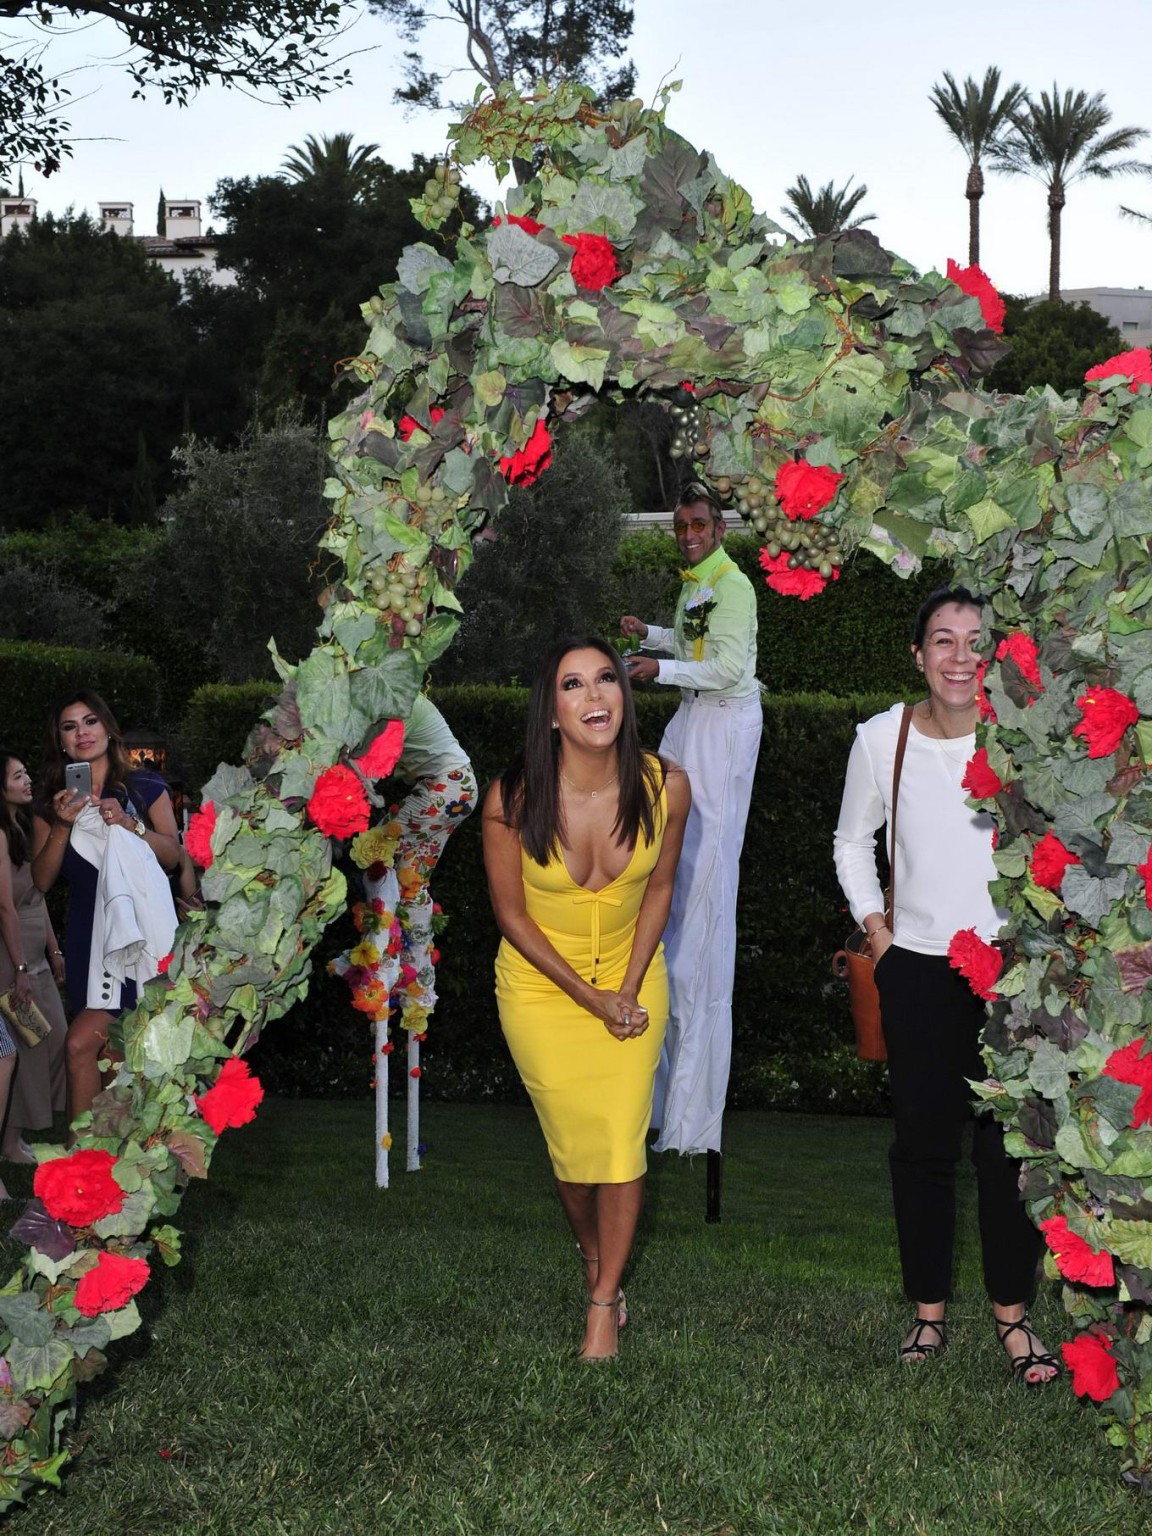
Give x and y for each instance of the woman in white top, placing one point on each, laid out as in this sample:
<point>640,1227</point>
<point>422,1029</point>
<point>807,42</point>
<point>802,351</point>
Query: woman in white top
<point>932,1019</point>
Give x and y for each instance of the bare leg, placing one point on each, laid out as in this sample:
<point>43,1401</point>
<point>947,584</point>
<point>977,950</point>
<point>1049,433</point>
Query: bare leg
<point>7,1068</point>
<point>579,1202</point>
<point>87,1043</point>
<point>603,1218</point>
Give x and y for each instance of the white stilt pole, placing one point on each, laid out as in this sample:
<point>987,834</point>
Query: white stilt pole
<point>383,1140</point>
<point>413,1105</point>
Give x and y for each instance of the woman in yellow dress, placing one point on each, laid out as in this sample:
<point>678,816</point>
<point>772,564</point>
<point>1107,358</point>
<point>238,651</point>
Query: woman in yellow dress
<point>581,838</point>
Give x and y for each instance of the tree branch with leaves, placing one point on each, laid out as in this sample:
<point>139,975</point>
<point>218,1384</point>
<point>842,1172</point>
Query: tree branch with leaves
<point>276,46</point>
<point>522,41</point>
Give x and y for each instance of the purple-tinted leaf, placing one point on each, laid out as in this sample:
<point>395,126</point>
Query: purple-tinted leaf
<point>188,1150</point>
<point>1135,967</point>
<point>14,1415</point>
<point>54,1239</point>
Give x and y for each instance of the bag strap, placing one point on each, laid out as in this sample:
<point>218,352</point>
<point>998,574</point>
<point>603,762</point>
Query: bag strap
<point>897,768</point>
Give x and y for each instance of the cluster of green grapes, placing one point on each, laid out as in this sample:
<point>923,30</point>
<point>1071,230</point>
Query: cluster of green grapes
<point>399,588</point>
<point>691,422</point>
<point>810,544</point>
<point>442,190</point>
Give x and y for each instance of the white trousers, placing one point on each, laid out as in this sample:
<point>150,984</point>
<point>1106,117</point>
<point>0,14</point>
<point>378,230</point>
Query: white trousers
<point>716,741</point>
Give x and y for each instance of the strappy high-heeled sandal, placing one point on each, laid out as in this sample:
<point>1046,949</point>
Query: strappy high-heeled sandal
<point>918,1349</point>
<point>1033,1360</point>
<point>621,1299</point>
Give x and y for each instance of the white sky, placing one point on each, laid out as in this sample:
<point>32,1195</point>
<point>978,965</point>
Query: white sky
<point>773,89</point>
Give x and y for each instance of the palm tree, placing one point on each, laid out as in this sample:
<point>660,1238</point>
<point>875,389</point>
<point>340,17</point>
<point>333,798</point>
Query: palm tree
<point>827,212</point>
<point>332,159</point>
<point>1061,140</point>
<point>977,117</point>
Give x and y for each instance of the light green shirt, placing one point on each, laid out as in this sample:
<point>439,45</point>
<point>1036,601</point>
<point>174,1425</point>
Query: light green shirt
<point>430,749</point>
<point>727,669</point>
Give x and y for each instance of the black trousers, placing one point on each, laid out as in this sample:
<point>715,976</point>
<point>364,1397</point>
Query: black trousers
<point>932,1023</point>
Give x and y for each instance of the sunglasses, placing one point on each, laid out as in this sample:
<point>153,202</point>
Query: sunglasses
<point>697,525</point>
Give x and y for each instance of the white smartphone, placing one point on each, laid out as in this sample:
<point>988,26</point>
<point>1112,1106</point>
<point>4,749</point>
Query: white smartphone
<point>78,779</point>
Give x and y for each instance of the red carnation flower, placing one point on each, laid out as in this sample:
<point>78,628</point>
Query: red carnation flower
<point>1075,1259</point>
<point>1105,716</point>
<point>79,1188</point>
<point>163,963</point>
<point>976,284</point>
<point>980,964</point>
<point>800,581</point>
<point>1021,649</point>
<point>804,489</point>
<point>1050,859</point>
<point>110,1285</point>
<point>1145,872</point>
<point>527,464</point>
<point>1094,1372</point>
<point>339,806</point>
<point>983,702</point>
<point>594,264</point>
<point>408,424</point>
<point>1131,1065</point>
<point>980,779</point>
<point>530,225</point>
<point>687,386</point>
<point>384,753</point>
<point>198,838</point>
<point>414,1072</point>
<point>1136,366</point>
<point>233,1097</point>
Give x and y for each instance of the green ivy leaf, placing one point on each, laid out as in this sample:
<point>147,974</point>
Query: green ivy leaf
<point>36,1368</point>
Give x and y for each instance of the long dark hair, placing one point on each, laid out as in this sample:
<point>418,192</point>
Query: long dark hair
<point>55,758</point>
<point>530,785</point>
<point>15,825</point>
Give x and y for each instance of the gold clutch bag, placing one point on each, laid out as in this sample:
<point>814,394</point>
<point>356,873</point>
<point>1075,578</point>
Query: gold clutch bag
<point>25,1019</point>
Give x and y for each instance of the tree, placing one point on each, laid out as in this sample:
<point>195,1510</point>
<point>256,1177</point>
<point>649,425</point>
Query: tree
<point>547,572</point>
<point>1052,343</point>
<point>307,254</point>
<point>276,46</point>
<point>977,117</point>
<point>1060,139</point>
<point>332,159</point>
<point>522,41</point>
<point>208,571</point>
<point>96,347</point>
<point>827,212</point>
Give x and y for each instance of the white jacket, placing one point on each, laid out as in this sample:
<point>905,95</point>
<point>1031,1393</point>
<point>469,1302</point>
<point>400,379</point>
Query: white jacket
<point>134,921</point>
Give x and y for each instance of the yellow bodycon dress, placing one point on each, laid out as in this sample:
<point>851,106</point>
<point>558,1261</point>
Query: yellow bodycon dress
<point>592,1092</point>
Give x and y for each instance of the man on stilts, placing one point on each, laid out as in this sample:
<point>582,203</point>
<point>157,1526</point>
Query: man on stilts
<point>715,737</point>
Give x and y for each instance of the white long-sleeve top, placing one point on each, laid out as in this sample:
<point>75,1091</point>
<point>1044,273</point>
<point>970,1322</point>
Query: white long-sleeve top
<point>943,847</point>
<point>134,921</point>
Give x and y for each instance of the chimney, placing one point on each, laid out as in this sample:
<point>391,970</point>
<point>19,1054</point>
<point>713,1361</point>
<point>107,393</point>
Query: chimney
<point>181,218</point>
<point>116,219</point>
<point>16,213</point>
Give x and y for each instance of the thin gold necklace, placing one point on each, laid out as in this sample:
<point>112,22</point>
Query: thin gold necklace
<point>593,794</point>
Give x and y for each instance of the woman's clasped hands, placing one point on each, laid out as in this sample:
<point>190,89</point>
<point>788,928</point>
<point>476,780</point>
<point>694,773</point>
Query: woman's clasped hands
<point>622,1015</point>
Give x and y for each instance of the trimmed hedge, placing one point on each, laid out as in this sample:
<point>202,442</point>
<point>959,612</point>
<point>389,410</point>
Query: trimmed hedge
<point>32,677</point>
<point>216,723</point>
<point>793,1038</point>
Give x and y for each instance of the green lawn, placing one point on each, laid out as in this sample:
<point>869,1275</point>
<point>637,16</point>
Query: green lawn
<point>333,1358</point>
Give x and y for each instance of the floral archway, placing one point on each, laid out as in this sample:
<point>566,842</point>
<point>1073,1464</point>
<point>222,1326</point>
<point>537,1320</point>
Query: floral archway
<point>828,390</point>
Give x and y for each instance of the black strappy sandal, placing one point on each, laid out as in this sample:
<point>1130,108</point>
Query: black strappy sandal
<point>918,1348</point>
<point>1022,1364</point>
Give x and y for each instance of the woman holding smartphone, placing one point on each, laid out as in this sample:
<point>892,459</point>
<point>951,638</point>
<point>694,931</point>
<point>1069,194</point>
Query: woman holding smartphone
<point>86,751</point>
